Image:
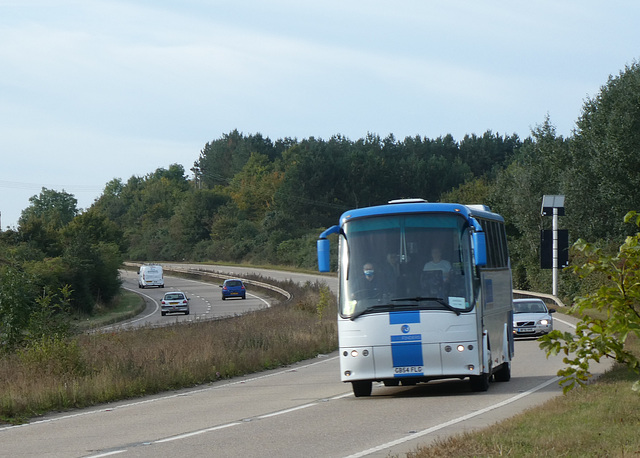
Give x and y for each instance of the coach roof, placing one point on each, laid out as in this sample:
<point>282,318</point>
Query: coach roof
<point>399,207</point>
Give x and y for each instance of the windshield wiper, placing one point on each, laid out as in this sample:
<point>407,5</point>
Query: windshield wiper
<point>439,300</point>
<point>371,309</point>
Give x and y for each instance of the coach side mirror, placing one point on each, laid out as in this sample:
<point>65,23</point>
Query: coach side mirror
<point>323,246</point>
<point>324,264</point>
<point>479,249</point>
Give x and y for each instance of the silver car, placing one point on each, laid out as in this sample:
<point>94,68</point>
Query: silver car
<point>531,317</point>
<point>175,301</point>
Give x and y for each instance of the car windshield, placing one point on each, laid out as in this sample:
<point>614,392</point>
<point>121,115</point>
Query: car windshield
<point>234,283</point>
<point>173,297</point>
<point>529,307</point>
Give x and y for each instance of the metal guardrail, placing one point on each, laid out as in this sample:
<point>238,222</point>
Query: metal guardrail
<point>549,297</point>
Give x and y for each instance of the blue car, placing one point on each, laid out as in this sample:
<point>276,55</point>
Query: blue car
<point>233,288</point>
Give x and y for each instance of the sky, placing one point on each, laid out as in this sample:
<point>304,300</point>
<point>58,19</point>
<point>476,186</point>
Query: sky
<point>94,90</point>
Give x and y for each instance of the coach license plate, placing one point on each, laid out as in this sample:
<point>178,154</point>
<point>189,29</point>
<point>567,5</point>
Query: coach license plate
<point>408,370</point>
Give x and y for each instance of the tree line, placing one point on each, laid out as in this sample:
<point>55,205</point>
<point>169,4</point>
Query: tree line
<point>250,199</point>
<point>254,200</point>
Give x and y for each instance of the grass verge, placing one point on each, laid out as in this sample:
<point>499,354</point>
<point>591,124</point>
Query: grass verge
<point>125,306</point>
<point>55,375</point>
<point>599,420</point>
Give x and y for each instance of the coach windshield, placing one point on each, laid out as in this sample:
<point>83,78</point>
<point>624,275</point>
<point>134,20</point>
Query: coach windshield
<point>405,262</point>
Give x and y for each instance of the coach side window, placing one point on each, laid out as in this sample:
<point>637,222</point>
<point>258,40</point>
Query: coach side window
<point>497,255</point>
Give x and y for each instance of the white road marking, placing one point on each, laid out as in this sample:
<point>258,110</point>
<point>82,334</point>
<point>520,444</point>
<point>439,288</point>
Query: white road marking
<point>155,310</point>
<point>195,433</point>
<point>424,432</point>
<point>565,322</point>
<point>115,452</point>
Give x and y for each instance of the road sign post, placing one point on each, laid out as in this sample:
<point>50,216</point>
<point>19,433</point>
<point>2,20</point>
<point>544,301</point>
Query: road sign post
<point>554,205</point>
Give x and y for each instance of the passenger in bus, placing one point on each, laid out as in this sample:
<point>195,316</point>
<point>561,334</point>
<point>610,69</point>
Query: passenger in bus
<point>435,275</point>
<point>437,263</point>
<point>393,261</point>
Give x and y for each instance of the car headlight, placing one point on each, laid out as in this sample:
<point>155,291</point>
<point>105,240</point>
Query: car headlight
<point>544,322</point>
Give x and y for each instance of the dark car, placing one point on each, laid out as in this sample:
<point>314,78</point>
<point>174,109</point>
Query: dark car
<point>174,301</point>
<point>233,288</point>
<point>531,317</point>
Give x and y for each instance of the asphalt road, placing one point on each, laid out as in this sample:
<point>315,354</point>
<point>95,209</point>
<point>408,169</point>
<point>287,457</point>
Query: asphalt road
<point>301,410</point>
<point>205,301</point>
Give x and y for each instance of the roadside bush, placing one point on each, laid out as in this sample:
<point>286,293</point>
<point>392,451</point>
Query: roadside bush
<point>603,334</point>
<point>17,295</point>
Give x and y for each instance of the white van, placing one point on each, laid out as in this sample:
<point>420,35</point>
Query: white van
<point>150,275</point>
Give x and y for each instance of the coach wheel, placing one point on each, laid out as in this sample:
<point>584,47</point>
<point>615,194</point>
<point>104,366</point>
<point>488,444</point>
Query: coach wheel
<point>361,388</point>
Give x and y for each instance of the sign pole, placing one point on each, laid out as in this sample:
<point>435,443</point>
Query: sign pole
<point>553,205</point>
<point>555,251</point>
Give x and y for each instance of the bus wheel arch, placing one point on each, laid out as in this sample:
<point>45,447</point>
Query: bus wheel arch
<point>481,382</point>
<point>504,373</point>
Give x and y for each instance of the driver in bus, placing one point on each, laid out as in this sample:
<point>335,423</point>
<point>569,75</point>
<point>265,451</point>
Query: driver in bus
<point>369,285</point>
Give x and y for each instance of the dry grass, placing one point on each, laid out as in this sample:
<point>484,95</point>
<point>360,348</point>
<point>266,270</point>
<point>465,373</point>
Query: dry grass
<point>96,368</point>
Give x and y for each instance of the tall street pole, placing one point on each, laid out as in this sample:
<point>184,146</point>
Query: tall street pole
<point>555,251</point>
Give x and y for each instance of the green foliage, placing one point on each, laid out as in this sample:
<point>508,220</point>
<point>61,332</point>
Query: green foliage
<point>192,219</point>
<point>41,222</point>
<point>94,226</point>
<point>471,192</point>
<point>59,261</point>
<point>53,355</point>
<point>16,301</point>
<point>257,200</point>
<point>92,271</point>
<point>517,194</point>
<point>325,300</point>
<point>222,159</point>
<point>603,165</point>
<point>254,187</point>
<point>488,154</point>
<point>26,316</point>
<point>324,178</point>
<point>57,209</point>
<point>600,335</point>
